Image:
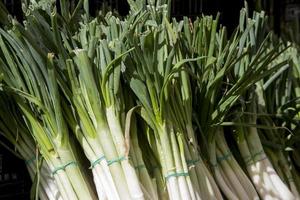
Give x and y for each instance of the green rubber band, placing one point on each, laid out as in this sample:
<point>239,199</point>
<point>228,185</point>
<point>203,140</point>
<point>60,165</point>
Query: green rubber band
<point>247,157</point>
<point>255,161</point>
<point>264,158</point>
<point>225,157</point>
<point>28,162</point>
<point>177,175</point>
<point>249,161</point>
<point>220,159</point>
<point>192,162</point>
<point>97,162</point>
<point>110,162</point>
<point>257,154</point>
<point>63,167</point>
<point>251,158</point>
<point>140,166</point>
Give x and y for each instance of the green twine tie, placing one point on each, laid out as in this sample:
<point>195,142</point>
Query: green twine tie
<point>63,167</point>
<point>248,159</point>
<point>257,154</point>
<point>192,162</point>
<point>264,158</point>
<point>93,164</point>
<point>251,159</point>
<point>176,174</point>
<point>225,157</point>
<point>221,158</point>
<point>110,162</point>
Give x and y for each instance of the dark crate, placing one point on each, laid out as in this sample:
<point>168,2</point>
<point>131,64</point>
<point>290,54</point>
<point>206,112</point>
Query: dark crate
<point>14,179</point>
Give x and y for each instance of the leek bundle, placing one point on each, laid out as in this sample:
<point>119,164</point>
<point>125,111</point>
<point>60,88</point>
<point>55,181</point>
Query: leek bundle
<point>38,99</point>
<point>263,175</point>
<point>14,129</point>
<point>149,107</point>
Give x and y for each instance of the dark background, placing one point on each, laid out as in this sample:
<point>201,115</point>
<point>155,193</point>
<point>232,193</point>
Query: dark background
<point>14,180</point>
<point>278,10</point>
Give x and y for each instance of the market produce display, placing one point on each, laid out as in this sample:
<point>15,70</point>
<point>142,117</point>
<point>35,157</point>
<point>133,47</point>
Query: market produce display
<point>145,106</point>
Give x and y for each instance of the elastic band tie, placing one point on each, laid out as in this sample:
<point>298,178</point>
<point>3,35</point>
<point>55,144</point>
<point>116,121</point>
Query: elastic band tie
<point>138,167</point>
<point>248,160</point>
<point>246,157</point>
<point>110,162</point>
<point>97,162</point>
<point>257,154</point>
<point>264,158</point>
<point>251,158</point>
<point>63,167</point>
<point>192,162</point>
<point>225,157</point>
<point>177,174</point>
<point>28,162</point>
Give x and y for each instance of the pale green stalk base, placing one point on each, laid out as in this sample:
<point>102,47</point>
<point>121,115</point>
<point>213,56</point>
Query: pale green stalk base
<point>266,167</point>
<point>119,141</point>
<point>242,179</point>
<point>101,172</point>
<point>182,183</point>
<point>237,187</point>
<point>167,161</point>
<point>99,186</point>
<point>78,182</point>
<point>207,186</point>
<point>218,175</point>
<point>47,188</point>
<point>116,171</point>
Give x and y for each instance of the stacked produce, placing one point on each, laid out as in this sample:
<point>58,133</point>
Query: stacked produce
<point>149,107</point>
<point>15,132</point>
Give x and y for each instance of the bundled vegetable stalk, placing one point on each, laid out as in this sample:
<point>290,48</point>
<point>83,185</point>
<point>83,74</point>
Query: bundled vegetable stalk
<point>117,160</point>
<point>278,139</point>
<point>154,72</point>
<point>263,175</point>
<point>213,104</point>
<point>31,77</point>
<point>145,99</point>
<point>96,90</point>
<point>15,131</point>
<point>38,23</point>
<point>293,106</point>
